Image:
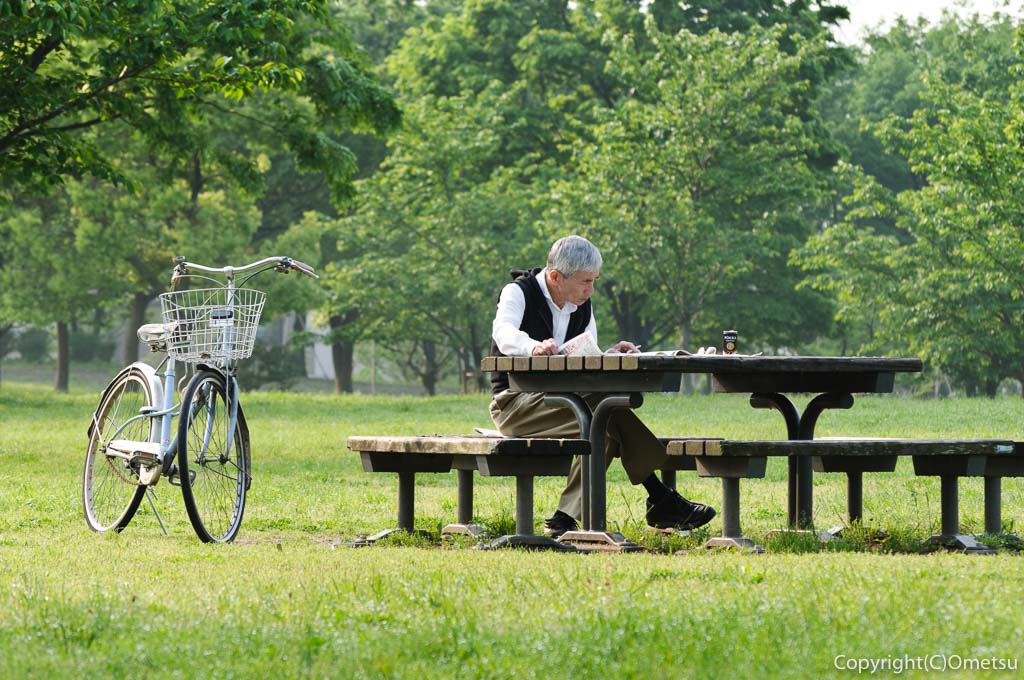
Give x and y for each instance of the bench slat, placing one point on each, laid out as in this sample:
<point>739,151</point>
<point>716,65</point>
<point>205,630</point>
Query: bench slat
<point>467,445</point>
<point>845,447</point>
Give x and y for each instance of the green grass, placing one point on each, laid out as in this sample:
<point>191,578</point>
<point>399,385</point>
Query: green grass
<point>288,600</point>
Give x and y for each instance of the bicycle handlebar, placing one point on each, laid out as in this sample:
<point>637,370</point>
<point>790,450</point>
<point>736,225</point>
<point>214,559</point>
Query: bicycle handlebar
<point>280,264</point>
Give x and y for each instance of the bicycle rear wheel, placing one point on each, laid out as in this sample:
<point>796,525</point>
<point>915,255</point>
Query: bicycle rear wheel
<point>214,477</point>
<point>111,491</point>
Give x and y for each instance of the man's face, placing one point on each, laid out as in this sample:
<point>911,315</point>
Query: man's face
<point>578,288</point>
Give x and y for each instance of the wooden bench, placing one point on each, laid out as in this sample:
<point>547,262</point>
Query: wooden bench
<point>489,454</point>
<point>732,460</point>
<point>522,458</point>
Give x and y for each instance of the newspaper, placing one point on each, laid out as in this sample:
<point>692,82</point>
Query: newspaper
<point>585,345</point>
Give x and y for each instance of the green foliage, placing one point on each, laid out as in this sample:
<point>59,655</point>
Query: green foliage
<point>90,347</point>
<point>935,268</point>
<point>697,180</point>
<point>276,366</point>
<point>33,344</point>
<point>160,67</point>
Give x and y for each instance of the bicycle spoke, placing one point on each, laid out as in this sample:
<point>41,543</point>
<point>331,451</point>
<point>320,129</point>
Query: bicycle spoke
<point>110,491</point>
<point>216,490</point>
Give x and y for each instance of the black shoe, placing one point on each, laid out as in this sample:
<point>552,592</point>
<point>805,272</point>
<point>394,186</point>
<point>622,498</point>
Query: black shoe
<point>558,524</point>
<point>674,511</point>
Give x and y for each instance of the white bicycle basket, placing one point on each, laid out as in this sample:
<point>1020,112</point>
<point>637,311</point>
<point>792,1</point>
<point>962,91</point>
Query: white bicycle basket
<point>210,327</point>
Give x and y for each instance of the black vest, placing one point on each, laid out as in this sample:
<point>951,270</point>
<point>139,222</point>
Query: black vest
<point>537,320</point>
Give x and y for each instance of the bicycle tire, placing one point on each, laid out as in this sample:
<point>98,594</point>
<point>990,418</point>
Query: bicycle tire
<point>111,491</point>
<point>213,480</point>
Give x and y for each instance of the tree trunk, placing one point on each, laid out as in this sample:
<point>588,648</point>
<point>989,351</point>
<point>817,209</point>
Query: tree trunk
<point>5,336</point>
<point>430,368</point>
<point>341,359</point>
<point>136,318</point>
<point>341,356</point>
<point>60,379</point>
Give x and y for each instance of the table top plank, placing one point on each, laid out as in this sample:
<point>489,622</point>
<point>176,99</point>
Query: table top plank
<point>715,363</point>
<point>730,373</point>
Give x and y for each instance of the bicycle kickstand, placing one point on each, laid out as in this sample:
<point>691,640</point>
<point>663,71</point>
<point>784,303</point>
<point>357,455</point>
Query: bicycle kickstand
<point>149,497</point>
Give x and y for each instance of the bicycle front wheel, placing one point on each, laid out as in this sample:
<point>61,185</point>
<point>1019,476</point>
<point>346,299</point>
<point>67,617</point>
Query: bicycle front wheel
<point>214,476</point>
<point>111,491</point>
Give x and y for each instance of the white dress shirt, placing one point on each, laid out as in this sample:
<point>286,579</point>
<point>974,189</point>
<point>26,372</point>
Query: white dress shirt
<point>511,307</point>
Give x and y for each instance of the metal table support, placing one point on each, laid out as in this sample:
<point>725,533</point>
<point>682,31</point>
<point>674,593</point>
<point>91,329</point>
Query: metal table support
<point>598,446</point>
<point>800,427</point>
<point>594,535</point>
<point>581,410</point>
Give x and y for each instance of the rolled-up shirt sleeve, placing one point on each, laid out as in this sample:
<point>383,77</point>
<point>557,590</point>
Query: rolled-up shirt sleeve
<point>507,320</point>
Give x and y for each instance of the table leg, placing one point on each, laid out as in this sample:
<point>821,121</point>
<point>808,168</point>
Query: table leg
<point>993,505</point>
<point>951,538</point>
<point>805,473</point>
<point>783,405</point>
<point>801,427</point>
<point>581,410</point>
<point>598,464</point>
<point>855,496</point>
<point>593,536</point>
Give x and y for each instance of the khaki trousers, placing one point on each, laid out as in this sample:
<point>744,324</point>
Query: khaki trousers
<point>524,414</point>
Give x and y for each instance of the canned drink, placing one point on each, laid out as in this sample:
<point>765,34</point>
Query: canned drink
<point>729,342</point>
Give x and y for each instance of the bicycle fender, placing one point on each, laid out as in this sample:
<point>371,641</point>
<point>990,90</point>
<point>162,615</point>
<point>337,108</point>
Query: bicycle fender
<point>155,384</point>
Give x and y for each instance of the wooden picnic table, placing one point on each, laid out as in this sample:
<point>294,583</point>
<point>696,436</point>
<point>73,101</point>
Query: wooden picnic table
<point>620,380</point>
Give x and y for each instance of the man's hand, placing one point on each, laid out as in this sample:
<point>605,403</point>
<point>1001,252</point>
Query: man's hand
<point>548,346</point>
<point>624,347</point>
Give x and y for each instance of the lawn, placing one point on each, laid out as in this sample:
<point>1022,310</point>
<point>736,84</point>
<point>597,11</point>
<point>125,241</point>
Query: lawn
<point>288,600</point>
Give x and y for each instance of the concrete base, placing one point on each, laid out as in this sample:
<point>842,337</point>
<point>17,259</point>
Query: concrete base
<point>599,541</point>
<point>960,543</point>
<point>474,530</point>
<point>741,543</point>
<point>526,542</point>
<point>364,541</point>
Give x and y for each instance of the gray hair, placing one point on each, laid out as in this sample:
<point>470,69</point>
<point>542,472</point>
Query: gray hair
<point>571,254</point>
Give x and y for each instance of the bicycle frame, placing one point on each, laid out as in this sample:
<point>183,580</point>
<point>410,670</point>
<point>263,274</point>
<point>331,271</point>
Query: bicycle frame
<point>170,409</point>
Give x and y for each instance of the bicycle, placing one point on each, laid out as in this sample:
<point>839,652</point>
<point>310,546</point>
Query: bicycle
<point>130,443</point>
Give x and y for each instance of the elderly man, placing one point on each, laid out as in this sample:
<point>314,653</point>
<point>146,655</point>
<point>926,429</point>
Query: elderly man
<point>537,312</point>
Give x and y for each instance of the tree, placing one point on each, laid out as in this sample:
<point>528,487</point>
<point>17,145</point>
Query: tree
<point>182,106</point>
<point>691,181</point>
<point>949,285</point>
<point>157,67</point>
<point>428,236</point>
<point>933,264</point>
<point>48,277</point>
<point>505,102</point>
